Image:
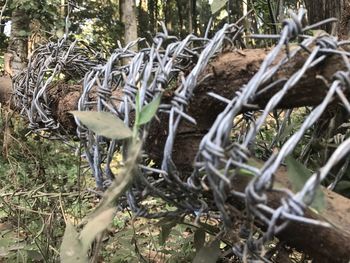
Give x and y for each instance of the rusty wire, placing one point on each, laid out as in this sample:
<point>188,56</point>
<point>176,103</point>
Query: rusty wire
<point>112,87</point>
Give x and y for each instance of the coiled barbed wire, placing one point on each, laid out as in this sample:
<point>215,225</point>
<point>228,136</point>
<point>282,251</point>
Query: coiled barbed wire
<point>112,87</point>
<point>49,63</point>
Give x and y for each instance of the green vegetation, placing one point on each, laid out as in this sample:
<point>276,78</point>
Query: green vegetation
<point>42,188</point>
<point>39,186</point>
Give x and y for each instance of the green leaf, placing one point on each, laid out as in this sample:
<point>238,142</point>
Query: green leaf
<point>216,5</point>
<point>23,33</point>
<point>71,248</point>
<point>298,174</point>
<point>148,111</point>
<point>208,254</point>
<point>104,124</point>
<point>95,226</point>
<point>165,231</point>
<point>199,239</point>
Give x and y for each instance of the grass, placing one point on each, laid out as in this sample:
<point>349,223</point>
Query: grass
<point>42,184</point>
<point>41,187</point>
<point>38,182</point>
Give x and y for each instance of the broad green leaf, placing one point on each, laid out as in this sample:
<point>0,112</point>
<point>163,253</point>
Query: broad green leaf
<point>71,248</point>
<point>104,124</point>
<point>298,174</point>
<point>95,226</point>
<point>165,231</point>
<point>149,111</point>
<point>208,254</point>
<point>199,239</point>
<point>216,5</point>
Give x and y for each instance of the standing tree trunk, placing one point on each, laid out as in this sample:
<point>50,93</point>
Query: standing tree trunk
<point>321,9</point>
<point>128,16</point>
<point>151,14</point>
<point>17,52</point>
<point>143,19</point>
<point>190,17</point>
<point>280,10</point>
<point>344,26</point>
<point>181,20</point>
<point>168,15</point>
<point>194,15</point>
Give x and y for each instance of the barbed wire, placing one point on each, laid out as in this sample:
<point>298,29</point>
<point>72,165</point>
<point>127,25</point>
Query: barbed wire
<point>112,86</point>
<point>49,63</point>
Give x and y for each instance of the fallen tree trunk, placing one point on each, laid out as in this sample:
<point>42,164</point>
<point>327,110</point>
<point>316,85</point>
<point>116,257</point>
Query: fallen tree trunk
<point>225,76</point>
<point>328,245</point>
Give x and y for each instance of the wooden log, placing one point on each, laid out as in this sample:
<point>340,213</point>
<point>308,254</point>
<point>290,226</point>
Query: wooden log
<point>326,245</point>
<point>225,76</point>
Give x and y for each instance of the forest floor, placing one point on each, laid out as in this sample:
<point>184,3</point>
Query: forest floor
<point>44,182</point>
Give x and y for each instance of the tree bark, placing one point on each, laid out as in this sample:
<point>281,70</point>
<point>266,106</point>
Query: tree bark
<point>344,26</point>
<point>319,10</point>
<point>128,16</point>
<point>326,245</point>
<point>152,6</point>
<point>190,17</point>
<point>168,15</point>
<point>17,52</point>
<point>225,76</point>
<point>180,13</point>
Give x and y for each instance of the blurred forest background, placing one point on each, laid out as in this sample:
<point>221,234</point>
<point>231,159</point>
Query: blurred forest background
<point>101,25</point>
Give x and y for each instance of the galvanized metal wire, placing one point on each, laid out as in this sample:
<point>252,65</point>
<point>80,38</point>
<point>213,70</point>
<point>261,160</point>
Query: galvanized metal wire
<point>112,86</point>
<point>61,60</point>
